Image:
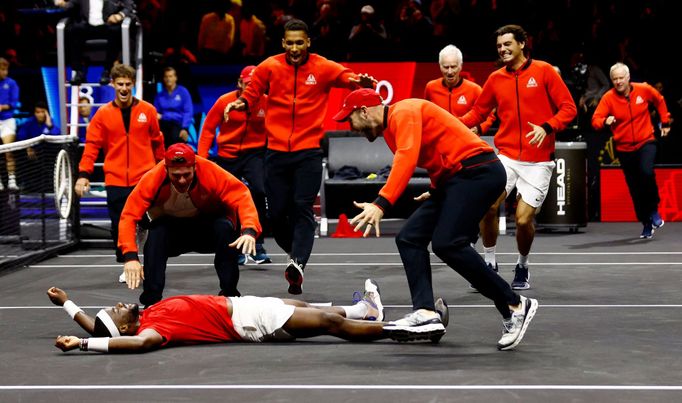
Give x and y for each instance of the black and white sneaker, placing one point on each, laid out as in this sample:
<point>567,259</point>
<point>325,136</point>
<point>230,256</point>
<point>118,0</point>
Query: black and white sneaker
<point>514,328</point>
<point>421,324</point>
<point>373,297</point>
<point>444,313</point>
<point>521,278</point>
<point>294,275</point>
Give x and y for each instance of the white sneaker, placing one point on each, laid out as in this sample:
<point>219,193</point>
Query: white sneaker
<point>373,300</point>
<point>122,278</point>
<point>294,275</point>
<point>514,328</point>
<point>421,324</point>
<point>12,183</point>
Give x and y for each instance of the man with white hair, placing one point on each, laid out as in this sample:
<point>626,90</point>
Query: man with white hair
<point>453,92</point>
<point>624,109</point>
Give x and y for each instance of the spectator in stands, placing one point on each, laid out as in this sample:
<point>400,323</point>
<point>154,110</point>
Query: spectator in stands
<point>414,32</point>
<point>127,130</point>
<point>252,35</point>
<point>9,100</point>
<point>298,83</point>
<point>241,149</point>
<point>216,33</point>
<point>84,116</point>
<point>624,109</point>
<point>192,205</point>
<point>174,107</point>
<point>95,19</point>
<point>532,103</point>
<point>328,33</point>
<point>39,123</point>
<point>368,39</point>
<point>453,92</point>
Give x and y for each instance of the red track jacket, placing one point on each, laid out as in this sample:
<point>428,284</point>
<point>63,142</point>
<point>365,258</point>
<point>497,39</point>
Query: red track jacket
<point>297,98</point>
<point>633,126</point>
<point>213,191</point>
<point>535,93</point>
<point>421,134</point>
<point>243,131</point>
<point>127,155</point>
<point>457,100</point>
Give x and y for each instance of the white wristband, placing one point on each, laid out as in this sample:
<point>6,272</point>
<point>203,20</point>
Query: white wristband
<point>99,344</point>
<point>71,308</point>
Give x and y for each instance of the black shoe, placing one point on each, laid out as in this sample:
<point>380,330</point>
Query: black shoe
<point>521,278</point>
<point>104,79</point>
<point>77,77</point>
<point>294,275</point>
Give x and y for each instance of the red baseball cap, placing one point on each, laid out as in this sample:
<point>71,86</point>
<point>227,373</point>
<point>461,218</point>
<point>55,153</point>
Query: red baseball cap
<point>246,73</point>
<point>356,100</point>
<point>179,155</point>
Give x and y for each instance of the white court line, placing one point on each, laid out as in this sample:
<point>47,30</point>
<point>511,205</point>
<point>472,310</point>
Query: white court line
<point>397,254</point>
<point>347,387</point>
<point>309,264</point>
<point>645,306</point>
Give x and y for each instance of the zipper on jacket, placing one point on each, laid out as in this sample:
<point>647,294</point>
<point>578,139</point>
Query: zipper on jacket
<point>518,111</point>
<point>450,100</point>
<point>632,124</point>
<point>293,106</point>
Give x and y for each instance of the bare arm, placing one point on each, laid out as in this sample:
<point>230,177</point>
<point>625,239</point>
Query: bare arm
<point>146,341</point>
<point>59,297</point>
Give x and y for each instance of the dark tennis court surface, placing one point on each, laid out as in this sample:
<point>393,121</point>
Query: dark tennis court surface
<point>608,329</point>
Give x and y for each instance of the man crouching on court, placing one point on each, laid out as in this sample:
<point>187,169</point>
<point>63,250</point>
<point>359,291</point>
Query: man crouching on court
<point>193,205</point>
<point>202,319</point>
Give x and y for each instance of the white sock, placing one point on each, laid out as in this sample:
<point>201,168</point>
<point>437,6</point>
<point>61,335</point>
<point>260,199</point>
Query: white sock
<point>489,255</point>
<point>357,311</point>
<point>523,260</point>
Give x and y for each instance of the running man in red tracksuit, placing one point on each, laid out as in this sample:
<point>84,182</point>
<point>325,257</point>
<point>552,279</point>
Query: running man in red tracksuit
<point>241,149</point>
<point>466,178</point>
<point>192,205</point>
<point>625,111</point>
<point>453,92</point>
<point>533,103</point>
<point>127,131</point>
<point>298,85</point>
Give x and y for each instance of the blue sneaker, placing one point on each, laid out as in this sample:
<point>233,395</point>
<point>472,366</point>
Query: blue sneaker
<point>656,220</point>
<point>647,231</point>
<point>261,256</point>
<point>241,260</point>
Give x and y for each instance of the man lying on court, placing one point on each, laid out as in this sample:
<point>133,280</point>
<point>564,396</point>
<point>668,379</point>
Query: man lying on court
<point>202,319</point>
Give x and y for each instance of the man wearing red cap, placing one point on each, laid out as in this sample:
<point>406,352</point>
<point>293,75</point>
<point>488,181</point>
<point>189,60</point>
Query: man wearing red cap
<point>192,205</point>
<point>241,148</point>
<point>466,178</point>
<point>298,85</point>
<point>127,131</point>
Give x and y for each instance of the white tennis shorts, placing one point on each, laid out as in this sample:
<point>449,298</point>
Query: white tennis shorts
<point>259,319</point>
<point>8,127</point>
<point>531,179</point>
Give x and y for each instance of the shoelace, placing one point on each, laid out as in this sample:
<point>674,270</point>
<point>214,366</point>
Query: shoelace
<point>357,297</point>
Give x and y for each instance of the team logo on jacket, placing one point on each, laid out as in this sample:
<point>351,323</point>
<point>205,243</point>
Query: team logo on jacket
<point>531,83</point>
<point>261,113</point>
<point>310,80</point>
<point>462,100</point>
<point>6,86</point>
<point>178,97</point>
<point>639,100</point>
<point>142,118</point>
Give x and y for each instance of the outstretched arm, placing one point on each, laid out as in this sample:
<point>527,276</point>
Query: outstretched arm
<point>146,341</point>
<point>60,298</point>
